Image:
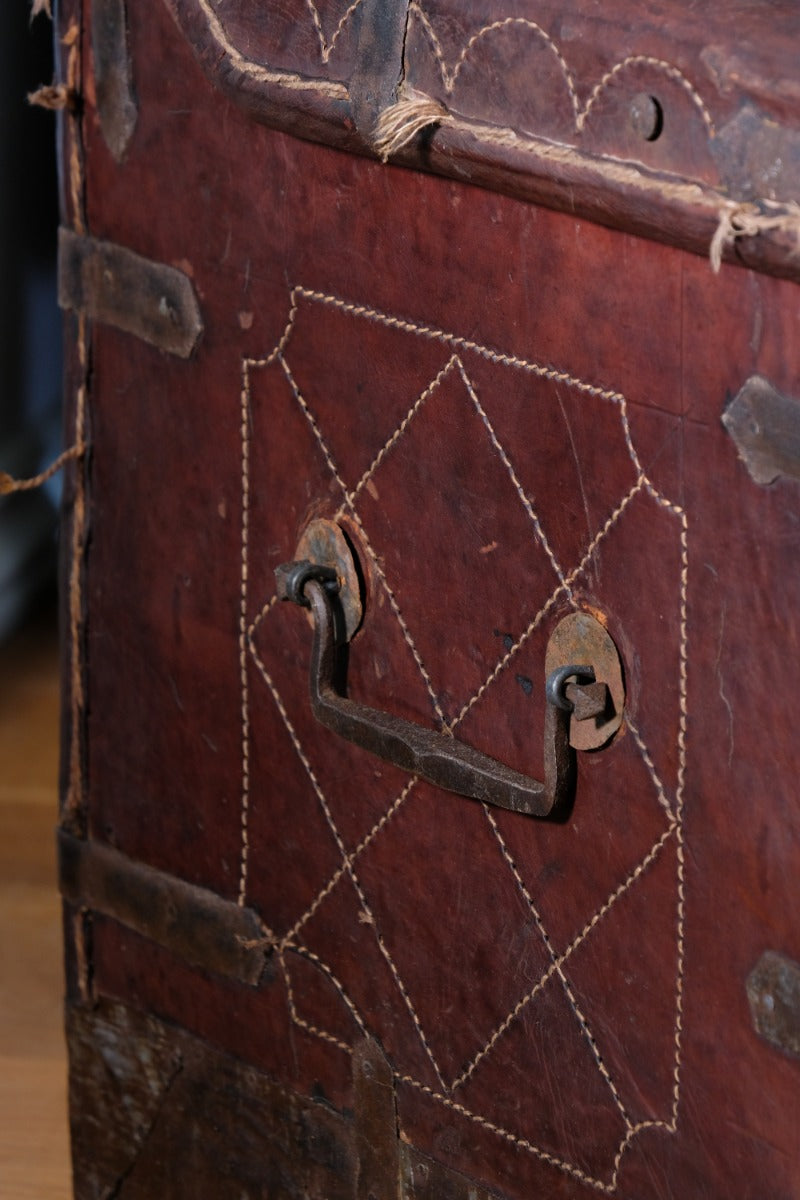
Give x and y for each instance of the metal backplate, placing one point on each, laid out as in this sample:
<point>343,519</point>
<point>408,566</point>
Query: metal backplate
<point>581,638</point>
<point>765,425</point>
<point>773,990</point>
<point>323,542</point>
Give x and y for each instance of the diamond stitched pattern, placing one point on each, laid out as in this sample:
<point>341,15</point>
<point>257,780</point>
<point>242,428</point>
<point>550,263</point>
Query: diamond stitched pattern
<point>394,861</point>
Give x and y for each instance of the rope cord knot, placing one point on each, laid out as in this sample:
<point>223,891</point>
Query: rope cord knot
<point>400,123</point>
<point>737,220</point>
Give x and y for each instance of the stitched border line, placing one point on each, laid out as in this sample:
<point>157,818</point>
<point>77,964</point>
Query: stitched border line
<point>674,827</point>
<point>326,47</point>
<point>270,75</point>
<point>735,219</point>
<point>584,1024</point>
<point>376,564</point>
<point>347,863</point>
<point>581,113</point>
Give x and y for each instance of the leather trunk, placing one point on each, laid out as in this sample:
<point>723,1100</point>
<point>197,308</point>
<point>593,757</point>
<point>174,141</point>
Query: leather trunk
<point>506,293</point>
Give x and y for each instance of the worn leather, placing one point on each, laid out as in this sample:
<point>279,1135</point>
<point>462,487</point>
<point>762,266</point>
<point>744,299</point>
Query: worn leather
<point>662,124</point>
<point>515,414</point>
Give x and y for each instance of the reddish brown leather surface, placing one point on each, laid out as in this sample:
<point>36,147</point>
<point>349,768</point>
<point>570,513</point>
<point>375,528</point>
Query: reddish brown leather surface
<point>545,69</point>
<point>540,102</point>
<point>319,41</point>
<point>563,1004</point>
<point>568,71</point>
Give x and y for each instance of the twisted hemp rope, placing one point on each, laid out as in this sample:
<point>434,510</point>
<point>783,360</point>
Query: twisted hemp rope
<point>400,123</point>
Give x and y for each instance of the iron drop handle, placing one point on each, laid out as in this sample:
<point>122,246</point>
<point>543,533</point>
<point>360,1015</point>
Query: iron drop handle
<point>437,757</point>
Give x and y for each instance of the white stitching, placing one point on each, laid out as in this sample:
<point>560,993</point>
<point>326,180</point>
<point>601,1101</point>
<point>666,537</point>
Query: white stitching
<point>450,75</point>
<point>581,114</point>
<point>649,764</point>
<point>646,60</point>
<point>301,754</point>
<point>453,339</point>
<point>676,823</point>
<point>526,503</point>
<point>350,858</point>
<point>301,1021</point>
<point>245,810</point>
<point>560,590</point>
<point>304,952</point>
<point>551,1159</point>
<point>584,1024</point>
<point>262,74</point>
<point>364,538</point>
<point>401,428</point>
<point>558,962</point>
<point>326,47</point>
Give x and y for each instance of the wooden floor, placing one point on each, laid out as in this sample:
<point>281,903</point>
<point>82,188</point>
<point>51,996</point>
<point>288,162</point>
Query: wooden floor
<point>34,1152</point>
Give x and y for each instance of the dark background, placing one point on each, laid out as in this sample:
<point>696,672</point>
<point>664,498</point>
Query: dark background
<point>30,333</point>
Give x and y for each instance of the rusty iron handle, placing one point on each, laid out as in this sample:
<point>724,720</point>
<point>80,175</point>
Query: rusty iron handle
<point>437,757</point>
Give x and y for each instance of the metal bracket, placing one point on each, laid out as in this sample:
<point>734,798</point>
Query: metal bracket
<point>765,425</point>
<point>113,285</point>
<point>773,991</point>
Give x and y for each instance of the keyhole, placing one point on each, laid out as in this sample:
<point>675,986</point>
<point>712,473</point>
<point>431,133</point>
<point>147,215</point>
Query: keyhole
<point>647,116</point>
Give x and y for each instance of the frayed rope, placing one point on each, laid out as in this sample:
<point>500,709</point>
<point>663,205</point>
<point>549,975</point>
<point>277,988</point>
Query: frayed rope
<point>9,484</point>
<point>262,943</point>
<point>55,97</point>
<point>400,123</point>
<point>749,220</point>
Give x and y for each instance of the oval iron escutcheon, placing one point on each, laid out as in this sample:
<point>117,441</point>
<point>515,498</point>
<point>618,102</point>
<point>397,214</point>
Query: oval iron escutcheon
<point>580,637</point>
